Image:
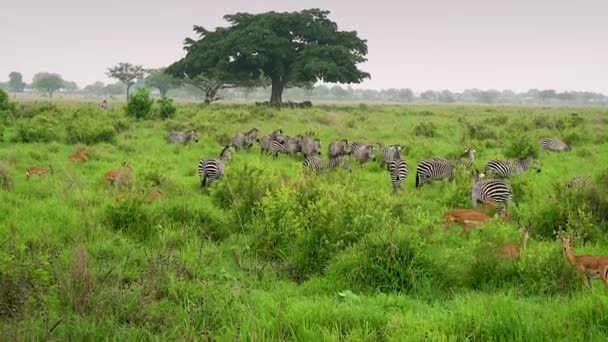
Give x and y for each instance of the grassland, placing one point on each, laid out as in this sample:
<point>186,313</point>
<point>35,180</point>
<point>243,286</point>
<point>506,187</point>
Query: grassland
<point>271,254</point>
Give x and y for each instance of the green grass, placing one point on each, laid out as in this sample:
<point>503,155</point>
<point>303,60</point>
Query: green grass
<point>271,253</point>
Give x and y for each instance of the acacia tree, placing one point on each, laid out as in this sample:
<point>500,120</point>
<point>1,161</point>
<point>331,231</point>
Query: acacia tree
<point>286,47</point>
<point>15,82</point>
<point>47,83</point>
<point>162,81</point>
<point>126,73</point>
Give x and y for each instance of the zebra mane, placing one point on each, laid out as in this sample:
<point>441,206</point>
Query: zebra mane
<point>225,150</point>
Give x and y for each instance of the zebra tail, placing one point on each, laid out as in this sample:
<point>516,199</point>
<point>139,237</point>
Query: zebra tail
<point>417,180</point>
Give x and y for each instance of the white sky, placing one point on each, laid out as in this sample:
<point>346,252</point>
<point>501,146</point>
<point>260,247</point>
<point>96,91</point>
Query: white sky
<point>430,44</point>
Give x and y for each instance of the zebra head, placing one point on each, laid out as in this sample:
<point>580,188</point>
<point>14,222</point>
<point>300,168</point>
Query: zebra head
<point>226,153</point>
<point>469,153</point>
<point>191,135</point>
<point>371,152</point>
<point>317,146</point>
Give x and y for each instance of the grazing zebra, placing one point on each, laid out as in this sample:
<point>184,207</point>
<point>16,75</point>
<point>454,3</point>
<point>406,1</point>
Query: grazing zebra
<point>252,133</point>
<point>291,146</point>
<point>398,171</point>
<point>433,169</point>
<point>241,140</point>
<point>578,182</point>
<point>315,163</point>
<point>490,191</point>
<point>390,153</point>
<point>508,168</point>
<point>338,148</point>
<point>176,137</point>
<point>365,153</point>
<point>555,145</point>
<point>211,170</point>
<point>310,146</point>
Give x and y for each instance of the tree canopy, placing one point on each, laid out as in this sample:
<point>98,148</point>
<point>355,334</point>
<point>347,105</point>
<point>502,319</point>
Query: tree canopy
<point>15,83</point>
<point>126,73</point>
<point>47,82</point>
<point>286,47</point>
<point>162,81</point>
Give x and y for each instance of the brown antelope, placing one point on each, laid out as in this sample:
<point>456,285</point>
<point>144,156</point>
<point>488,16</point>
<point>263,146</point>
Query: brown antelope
<point>36,170</point>
<point>79,155</point>
<point>153,195</point>
<point>587,266</point>
<point>470,218</point>
<point>513,251</point>
<point>119,176</point>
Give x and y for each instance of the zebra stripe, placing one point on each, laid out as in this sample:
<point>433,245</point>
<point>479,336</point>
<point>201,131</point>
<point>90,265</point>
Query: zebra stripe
<point>508,168</point>
<point>338,148</point>
<point>390,153</point>
<point>491,191</point>
<point>365,153</point>
<point>177,137</point>
<point>318,165</point>
<point>578,182</point>
<point>555,145</point>
<point>433,169</point>
<point>211,170</point>
<point>291,146</point>
<point>398,171</point>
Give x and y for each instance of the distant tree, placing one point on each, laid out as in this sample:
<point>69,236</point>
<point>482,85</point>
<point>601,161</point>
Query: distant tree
<point>47,83</point>
<point>126,73</point>
<point>547,94</point>
<point>429,95</point>
<point>446,96</point>
<point>339,92</point>
<point>286,47</point>
<point>96,88</point>
<point>162,81</point>
<point>488,96</point>
<point>210,87</point>
<point>69,86</point>
<point>15,83</point>
<point>406,95</point>
<point>115,88</point>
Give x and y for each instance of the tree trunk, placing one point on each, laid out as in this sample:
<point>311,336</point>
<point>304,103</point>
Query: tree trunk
<point>128,88</point>
<point>163,92</point>
<point>276,94</point>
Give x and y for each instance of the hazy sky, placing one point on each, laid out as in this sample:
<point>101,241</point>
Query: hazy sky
<point>425,44</point>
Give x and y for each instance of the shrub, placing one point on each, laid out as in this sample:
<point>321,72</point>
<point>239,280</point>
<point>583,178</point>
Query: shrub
<point>426,129</point>
<point>166,108</point>
<point>520,146</point>
<point>6,180</point>
<point>130,217</point>
<point>87,130</point>
<point>41,128</point>
<point>5,105</point>
<point>32,109</point>
<point>140,104</point>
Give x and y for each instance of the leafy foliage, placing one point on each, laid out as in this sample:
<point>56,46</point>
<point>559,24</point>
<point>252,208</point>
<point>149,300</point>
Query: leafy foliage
<point>47,83</point>
<point>166,108</point>
<point>140,104</point>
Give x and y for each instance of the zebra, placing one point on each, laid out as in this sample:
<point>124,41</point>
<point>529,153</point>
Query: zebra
<point>508,168</point>
<point>433,169</point>
<point>354,145</point>
<point>104,104</point>
<point>338,148</point>
<point>578,182</point>
<point>315,163</point>
<point>466,160</point>
<point>310,146</point>
<point>211,169</point>
<point>245,140</point>
<point>176,137</point>
<point>365,153</point>
<point>277,135</point>
<point>291,146</point>
<point>554,145</point>
<point>390,153</point>
<point>490,191</point>
<point>398,171</point>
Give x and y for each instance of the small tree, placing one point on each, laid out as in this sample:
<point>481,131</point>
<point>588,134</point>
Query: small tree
<point>126,73</point>
<point>162,81</point>
<point>166,108</point>
<point>210,86</point>
<point>15,83</point>
<point>47,83</point>
<point>140,104</point>
<point>96,88</point>
<point>70,86</point>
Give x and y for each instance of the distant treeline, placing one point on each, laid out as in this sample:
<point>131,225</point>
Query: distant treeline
<point>340,93</point>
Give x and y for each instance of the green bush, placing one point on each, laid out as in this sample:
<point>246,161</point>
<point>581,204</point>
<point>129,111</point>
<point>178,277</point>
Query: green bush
<point>31,109</point>
<point>426,129</point>
<point>41,128</point>
<point>166,108</point>
<point>140,104</point>
<point>131,217</point>
<point>89,128</point>
<point>520,146</point>
<point>6,180</point>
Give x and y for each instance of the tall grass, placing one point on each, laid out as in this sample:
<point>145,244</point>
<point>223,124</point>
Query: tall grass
<point>273,253</point>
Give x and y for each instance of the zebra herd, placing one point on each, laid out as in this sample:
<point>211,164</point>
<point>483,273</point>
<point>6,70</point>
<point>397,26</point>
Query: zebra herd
<point>492,189</point>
